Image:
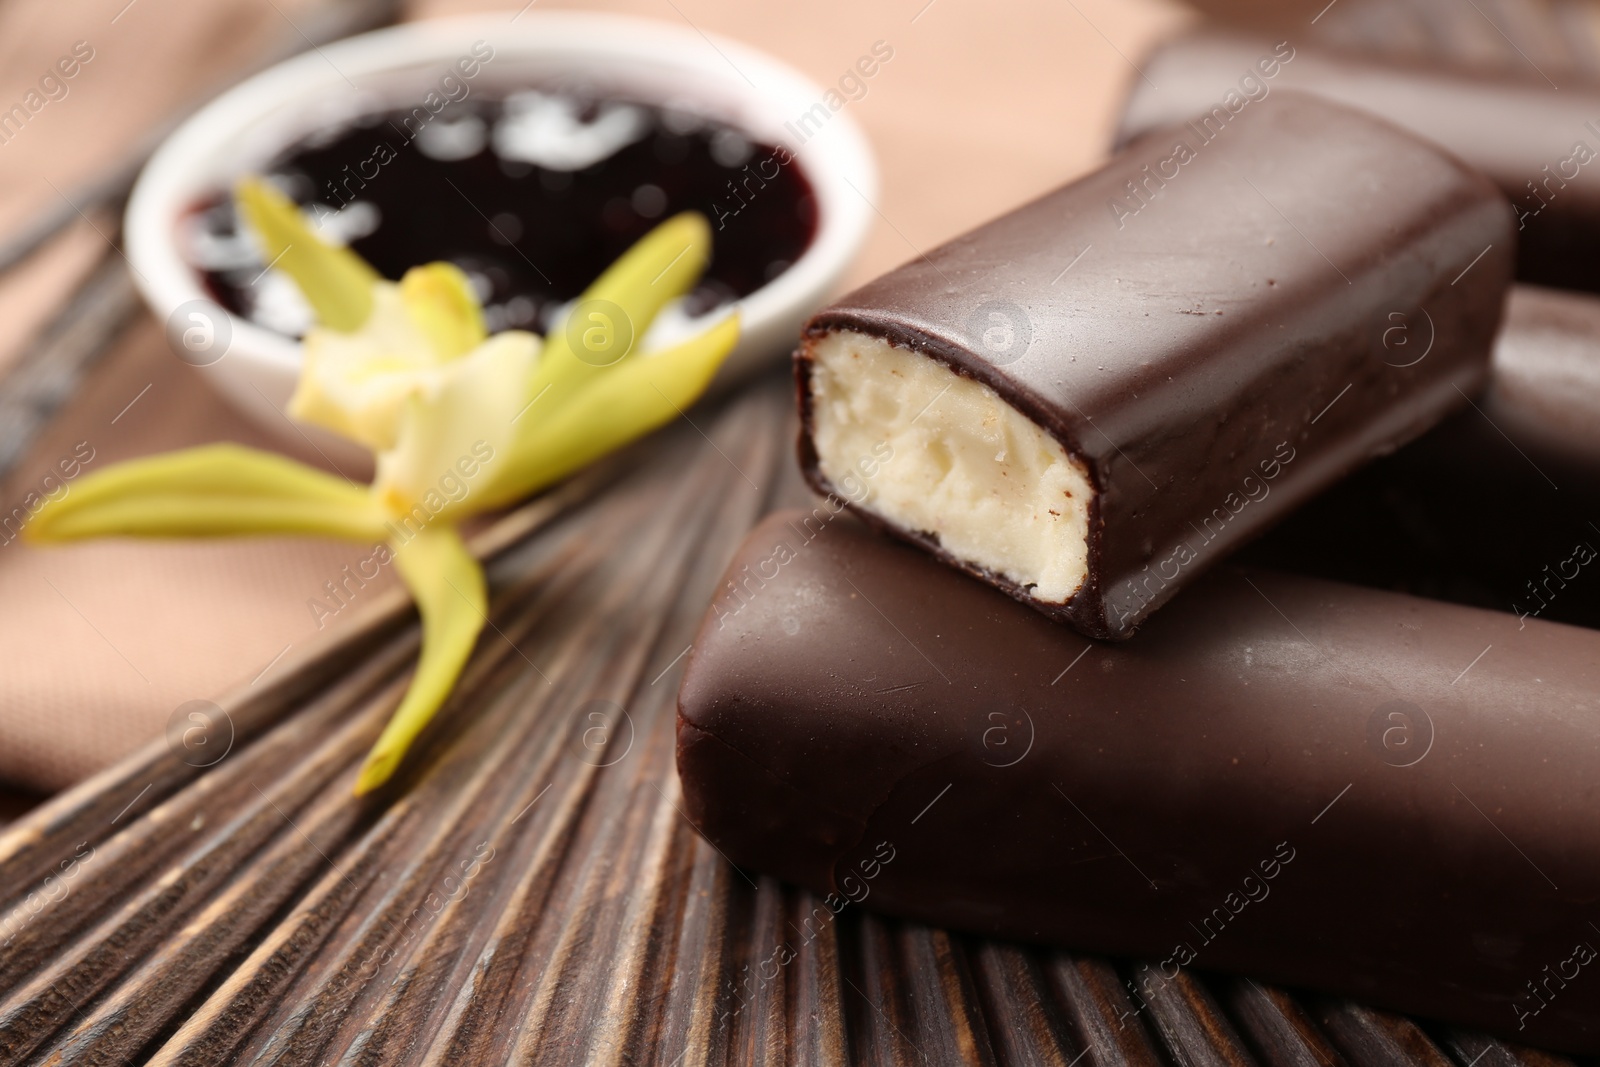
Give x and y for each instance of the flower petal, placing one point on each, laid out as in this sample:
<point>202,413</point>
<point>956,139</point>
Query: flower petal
<point>629,402</point>
<point>452,599</point>
<point>214,490</point>
<point>660,267</point>
<point>464,416</point>
<point>336,282</point>
<point>357,383</point>
<point>441,302</point>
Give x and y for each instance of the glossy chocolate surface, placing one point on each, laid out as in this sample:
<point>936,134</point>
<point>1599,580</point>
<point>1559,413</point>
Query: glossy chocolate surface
<point>1544,386</point>
<point>1313,783</point>
<point>1499,506</point>
<point>532,235</point>
<point>1538,141</point>
<point>1215,344</point>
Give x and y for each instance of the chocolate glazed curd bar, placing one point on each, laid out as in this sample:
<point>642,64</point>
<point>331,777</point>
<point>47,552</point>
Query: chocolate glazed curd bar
<point>1416,522</point>
<point>1539,142</point>
<point>1312,783</point>
<point>1087,401</point>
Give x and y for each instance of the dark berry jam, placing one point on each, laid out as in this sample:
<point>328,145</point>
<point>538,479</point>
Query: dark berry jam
<point>533,195</point>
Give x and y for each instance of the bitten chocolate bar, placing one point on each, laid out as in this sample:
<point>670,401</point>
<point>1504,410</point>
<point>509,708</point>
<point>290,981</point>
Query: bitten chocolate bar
<point>1313,783</point>
<point>1089,400</point>
<point>1538,142</point>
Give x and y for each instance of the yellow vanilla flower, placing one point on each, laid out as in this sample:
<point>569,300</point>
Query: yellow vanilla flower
<point>459,422</point>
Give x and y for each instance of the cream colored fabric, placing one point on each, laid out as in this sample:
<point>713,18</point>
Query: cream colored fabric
<point>981,107</point>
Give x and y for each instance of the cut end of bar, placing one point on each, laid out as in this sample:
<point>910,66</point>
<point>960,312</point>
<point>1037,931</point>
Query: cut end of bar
<point>949,458</point>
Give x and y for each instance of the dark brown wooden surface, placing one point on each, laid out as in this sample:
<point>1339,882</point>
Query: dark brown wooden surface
<point>531,891</point>
<point>13,804</point>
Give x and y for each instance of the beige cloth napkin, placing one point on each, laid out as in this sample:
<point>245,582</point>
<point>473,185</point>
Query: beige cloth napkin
<point>982,106</point>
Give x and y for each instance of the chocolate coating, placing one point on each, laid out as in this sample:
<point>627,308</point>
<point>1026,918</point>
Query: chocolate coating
<point>1544,388</point>
<point>1494,507</point>
<point>1238,315</point>
<point>1374,795</point>
<point>1540,144</point>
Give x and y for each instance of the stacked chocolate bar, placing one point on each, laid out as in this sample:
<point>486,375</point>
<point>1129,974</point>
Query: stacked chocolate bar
<point>1040,708</point>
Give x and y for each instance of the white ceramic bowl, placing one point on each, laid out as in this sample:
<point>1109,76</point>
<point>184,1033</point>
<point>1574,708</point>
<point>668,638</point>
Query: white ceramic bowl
<point>660,62</point>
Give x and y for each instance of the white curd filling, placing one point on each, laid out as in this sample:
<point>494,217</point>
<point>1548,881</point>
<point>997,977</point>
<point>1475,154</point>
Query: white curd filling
<point>965,466</point>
